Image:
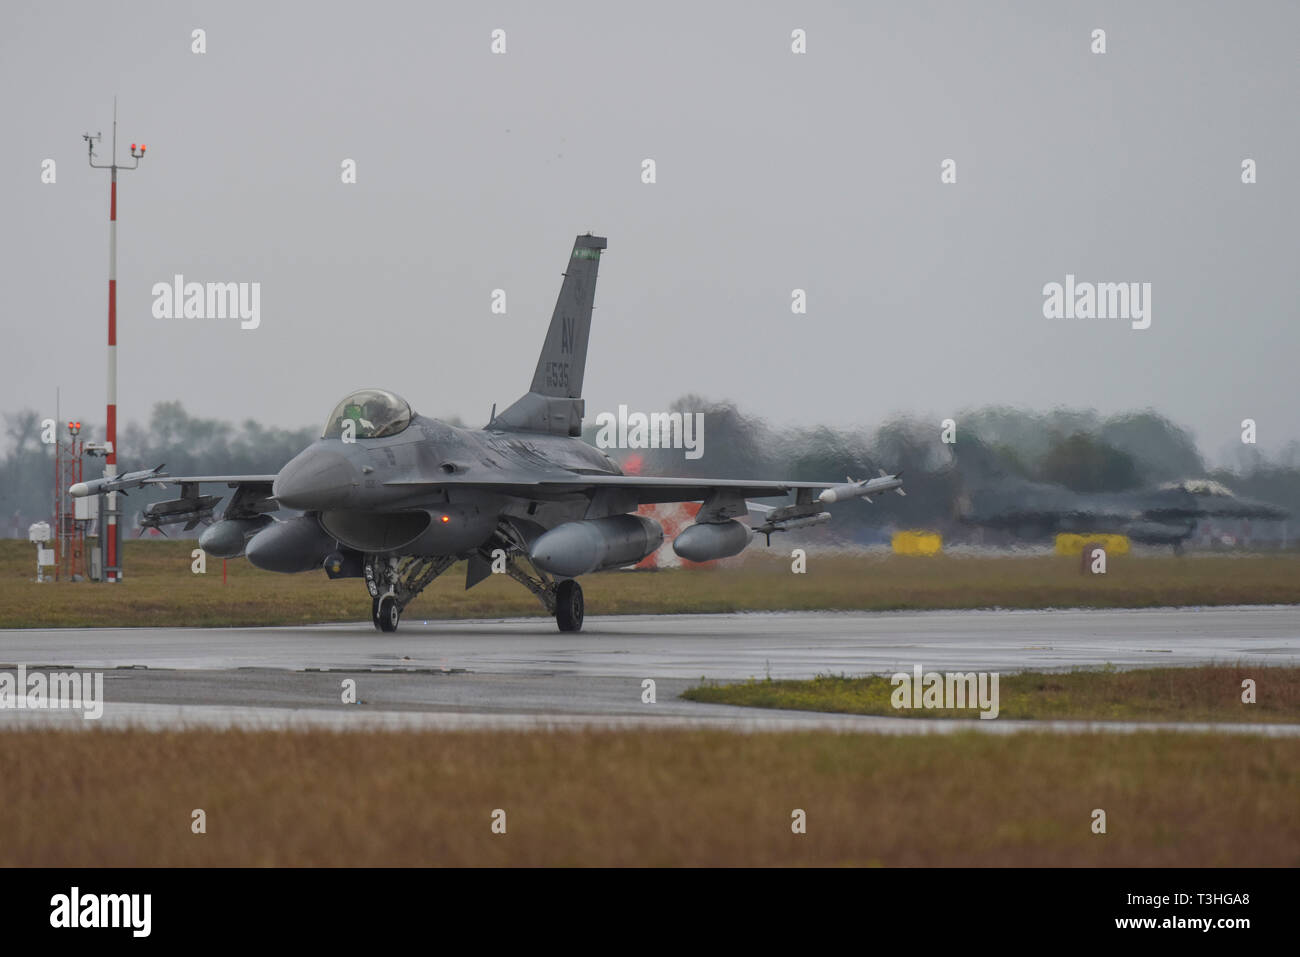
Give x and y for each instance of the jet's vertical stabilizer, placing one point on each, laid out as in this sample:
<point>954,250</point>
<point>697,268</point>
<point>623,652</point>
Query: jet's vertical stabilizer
<point>564,355</point>
<point>554,401</point>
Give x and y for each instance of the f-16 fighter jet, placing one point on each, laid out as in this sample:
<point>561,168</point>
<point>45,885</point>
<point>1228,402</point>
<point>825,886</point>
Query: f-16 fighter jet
<point>1164,515</point>
<point>395,498</point>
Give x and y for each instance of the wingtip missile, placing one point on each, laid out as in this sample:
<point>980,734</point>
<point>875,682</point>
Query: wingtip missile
<point>839,493</point>
<point>118,483</point>
<point>863,489</point>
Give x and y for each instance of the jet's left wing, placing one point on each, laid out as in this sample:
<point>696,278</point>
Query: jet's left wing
<point>724,499</point>
<point>721,499</point>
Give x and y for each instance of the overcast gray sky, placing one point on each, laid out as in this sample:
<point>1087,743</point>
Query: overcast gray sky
<point>775,171</point>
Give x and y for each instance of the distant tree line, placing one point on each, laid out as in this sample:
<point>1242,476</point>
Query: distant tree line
<point>1078,449</point>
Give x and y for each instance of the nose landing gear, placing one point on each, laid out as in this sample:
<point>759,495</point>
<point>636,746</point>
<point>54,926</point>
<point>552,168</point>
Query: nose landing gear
<point>394,583</point>
<point>385,612</point>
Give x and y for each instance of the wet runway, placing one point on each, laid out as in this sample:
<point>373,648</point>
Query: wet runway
<point>524,673</point>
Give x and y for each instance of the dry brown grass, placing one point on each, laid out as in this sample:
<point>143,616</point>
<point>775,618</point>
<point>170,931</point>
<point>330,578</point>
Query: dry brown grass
<point>160,590</point>
<point>108,798</point>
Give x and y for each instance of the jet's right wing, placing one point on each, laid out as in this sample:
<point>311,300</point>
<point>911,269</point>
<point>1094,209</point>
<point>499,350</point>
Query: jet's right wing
<point>252,496</point>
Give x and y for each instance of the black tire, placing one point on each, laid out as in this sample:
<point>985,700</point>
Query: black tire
<point>569,608</point>
<point>389,614</point>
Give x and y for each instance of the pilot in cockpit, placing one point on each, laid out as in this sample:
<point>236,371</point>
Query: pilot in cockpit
<point>357,414</point>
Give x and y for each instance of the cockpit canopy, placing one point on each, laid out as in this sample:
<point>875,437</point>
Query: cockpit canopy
<point>374,412</point>
<point>1201,487</point>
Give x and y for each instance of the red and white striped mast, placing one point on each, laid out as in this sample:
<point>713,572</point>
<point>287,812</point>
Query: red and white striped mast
<point>110,536</point>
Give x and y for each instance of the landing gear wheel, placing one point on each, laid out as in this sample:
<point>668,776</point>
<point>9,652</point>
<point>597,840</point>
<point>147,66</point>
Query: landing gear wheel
<point>387,613</point>
<point>569,605</point>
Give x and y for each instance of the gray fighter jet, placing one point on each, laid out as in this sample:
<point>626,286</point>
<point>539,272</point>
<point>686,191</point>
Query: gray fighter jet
<point>396,499</point>
<point>1164,515</point>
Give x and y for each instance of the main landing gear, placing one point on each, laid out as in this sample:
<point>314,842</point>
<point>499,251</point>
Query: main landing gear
<point>568,605</point>
<point>394,583</point>
<point>562,599</point>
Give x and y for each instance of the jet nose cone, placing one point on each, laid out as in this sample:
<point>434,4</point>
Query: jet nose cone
<point>315,479</point>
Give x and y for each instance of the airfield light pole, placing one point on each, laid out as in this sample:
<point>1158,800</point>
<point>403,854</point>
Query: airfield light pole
<point>109,538</point>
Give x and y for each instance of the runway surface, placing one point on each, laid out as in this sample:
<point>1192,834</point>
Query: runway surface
<point>523,673</point>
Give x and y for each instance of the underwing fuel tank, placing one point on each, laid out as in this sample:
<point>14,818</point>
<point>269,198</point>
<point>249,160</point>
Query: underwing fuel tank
<point>298,545</point>
<point>577,548</point>
<point>704,542</point>
<point>227,538</point>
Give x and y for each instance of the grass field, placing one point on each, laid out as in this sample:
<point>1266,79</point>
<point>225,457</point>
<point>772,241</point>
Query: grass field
<point>125,798</point>
<point>1155,694</point>
<point>160,589</point>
